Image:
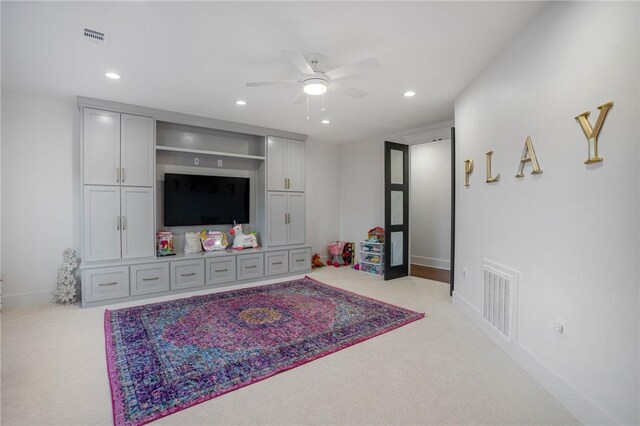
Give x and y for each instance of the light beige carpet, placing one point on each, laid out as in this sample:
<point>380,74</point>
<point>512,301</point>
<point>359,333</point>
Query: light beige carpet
<point>439,370</point>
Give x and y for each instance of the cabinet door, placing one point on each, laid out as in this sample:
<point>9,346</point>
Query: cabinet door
<point>276,163</point>
<point>137,223</point>
<point>295,204</point>
<point>277,209</point>
<point>294,169</point>
<point>137,148</point>
<point>101,226</point>
<point>101,147</point>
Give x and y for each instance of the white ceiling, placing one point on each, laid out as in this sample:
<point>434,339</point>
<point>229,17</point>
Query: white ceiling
<point>196,57</point>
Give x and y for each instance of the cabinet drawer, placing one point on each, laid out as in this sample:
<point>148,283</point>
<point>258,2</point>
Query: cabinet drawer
<point>105,283</point>
<point>222,270</point>
<point>276,263</point>
<point>299,260</point>
<point>250,266</point>
<point>151,278</point>
<point>187,274</point>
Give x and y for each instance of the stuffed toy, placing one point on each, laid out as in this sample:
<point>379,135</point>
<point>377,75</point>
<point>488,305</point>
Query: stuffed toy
<point>316,262</point>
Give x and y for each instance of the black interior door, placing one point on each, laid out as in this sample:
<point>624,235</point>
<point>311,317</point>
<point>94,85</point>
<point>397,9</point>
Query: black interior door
<point>396,210</point>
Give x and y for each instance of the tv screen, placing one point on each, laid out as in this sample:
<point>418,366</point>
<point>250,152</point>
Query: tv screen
<point>205,200</point>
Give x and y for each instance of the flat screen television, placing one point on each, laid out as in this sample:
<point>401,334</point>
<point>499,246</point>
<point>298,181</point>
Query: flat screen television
<point>205,200</point>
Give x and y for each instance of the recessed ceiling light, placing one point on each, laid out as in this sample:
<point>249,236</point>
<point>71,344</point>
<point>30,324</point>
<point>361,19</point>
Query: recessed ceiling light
<point>325,121</point>
<point>112,75</point>
<point>409,93</point>
<point>241,102</point>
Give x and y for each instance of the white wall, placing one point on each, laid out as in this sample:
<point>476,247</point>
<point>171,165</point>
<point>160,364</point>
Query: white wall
<point>430,203</point>
<point>40,168</point>
<point>572,232</point>
<point>322,191</point>
<point>361,189</point>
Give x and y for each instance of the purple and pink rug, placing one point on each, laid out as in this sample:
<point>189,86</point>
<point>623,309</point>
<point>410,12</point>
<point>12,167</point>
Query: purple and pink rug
<point>168,356</point>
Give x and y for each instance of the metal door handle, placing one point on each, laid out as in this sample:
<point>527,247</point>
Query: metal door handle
<point>187,275</point>
<point>299,260</point>
<point>285,218</point>
<point>151,279</point>
<point>277,263</point>
<point>118,174</point>
<point>124,223</point>
<point>221,270</point>
<point>103,284</point>
<point>248,267</point>
<point>123,175</point>
<point>118,223</point>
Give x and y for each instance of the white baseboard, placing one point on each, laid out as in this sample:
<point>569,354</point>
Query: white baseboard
<point>26,299</point>
<point>431,262</point>
<point>572,398</point>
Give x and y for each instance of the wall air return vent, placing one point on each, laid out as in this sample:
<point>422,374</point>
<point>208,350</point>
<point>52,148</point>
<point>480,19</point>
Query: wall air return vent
<point>500,307</point>
<point>94,36</point>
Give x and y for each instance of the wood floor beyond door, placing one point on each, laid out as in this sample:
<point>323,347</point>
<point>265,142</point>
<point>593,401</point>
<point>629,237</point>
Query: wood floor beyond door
<point>429,273</point>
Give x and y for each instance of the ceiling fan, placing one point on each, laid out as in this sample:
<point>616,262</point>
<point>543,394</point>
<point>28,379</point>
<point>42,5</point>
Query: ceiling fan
<point>315,81</point>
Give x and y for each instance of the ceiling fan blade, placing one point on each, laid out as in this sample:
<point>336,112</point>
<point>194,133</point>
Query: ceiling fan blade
<point>298,61</point>
<point>271,83</point>
<point>346,90</point>
<point>300,98</point>
<point>354,68</point>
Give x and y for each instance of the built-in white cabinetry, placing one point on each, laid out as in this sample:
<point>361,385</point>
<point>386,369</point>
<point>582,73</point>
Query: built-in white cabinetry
<point>127,149</point>
<point>118,223</point>
<point>149,278</point>
<point>137,150</point>
<point>101,231</point>
<point>286,217</point>
<point>285,159</point>
<point>137,226</point>
<point>118,149</point>
<point>105,284</point>
<point>187,274</point>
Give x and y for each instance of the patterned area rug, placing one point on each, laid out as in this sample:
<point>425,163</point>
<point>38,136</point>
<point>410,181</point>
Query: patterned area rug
<point>168,356</point>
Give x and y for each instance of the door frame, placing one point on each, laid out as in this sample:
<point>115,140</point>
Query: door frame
<point>399,270</point>
<point>453,212</point>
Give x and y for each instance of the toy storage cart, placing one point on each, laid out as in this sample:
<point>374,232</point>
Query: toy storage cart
<point>371,257</point>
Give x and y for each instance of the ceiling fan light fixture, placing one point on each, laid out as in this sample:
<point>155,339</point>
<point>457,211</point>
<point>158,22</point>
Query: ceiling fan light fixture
<point>315,86</point>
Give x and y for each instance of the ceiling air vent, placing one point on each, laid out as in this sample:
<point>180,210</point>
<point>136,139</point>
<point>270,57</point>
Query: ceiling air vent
<point>94,36</point>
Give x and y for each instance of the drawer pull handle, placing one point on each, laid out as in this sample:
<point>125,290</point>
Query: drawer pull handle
<point>277,263</point>
<point>151,279</point>
<point>188,275</point>
<point>221,270</point>
<point>252,266</point>
<point>299,260</point>
<point>103,284</point>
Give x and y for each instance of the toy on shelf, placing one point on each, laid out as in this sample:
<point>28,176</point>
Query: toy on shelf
<point>213,240</point>
<point>376,235</point>
<point>242,240</point>
<point>192,242</point>
<point>316,261</point>
<point>347,253</point>
<point>164,243</point>
<point>335,251</point>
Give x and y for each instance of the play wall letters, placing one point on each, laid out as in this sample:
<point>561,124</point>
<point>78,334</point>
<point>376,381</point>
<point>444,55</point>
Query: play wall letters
<point>529,153</point>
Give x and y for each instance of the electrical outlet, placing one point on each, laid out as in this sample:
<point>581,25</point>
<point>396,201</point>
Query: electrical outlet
<point>219,163</point>
<point>196,161</point>
<point>560,326</point>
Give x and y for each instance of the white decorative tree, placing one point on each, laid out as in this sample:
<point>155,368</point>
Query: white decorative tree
<point>67,291</point>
